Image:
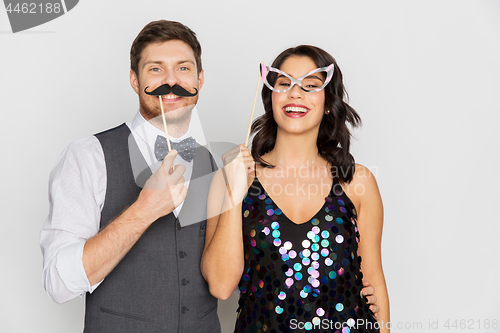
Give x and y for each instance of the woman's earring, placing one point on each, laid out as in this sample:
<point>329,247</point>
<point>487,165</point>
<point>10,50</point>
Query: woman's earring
<point>327,111</point>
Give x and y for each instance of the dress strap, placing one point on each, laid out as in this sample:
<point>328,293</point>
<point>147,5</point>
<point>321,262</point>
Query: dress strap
<point>255,169</point>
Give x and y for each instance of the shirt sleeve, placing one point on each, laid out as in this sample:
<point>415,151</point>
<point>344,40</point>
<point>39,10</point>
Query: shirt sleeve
<point>77,188</point>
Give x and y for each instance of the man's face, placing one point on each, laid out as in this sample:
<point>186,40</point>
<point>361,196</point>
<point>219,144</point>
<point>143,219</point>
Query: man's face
<point>171,63</point>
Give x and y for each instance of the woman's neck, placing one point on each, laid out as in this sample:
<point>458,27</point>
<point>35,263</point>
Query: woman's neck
<point>293,150</point>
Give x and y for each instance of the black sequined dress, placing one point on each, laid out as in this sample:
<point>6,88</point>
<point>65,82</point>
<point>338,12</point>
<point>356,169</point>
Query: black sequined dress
<point>301,277</point>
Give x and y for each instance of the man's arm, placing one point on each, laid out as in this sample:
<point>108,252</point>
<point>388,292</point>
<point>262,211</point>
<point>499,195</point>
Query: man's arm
<point>76,192</point>
<point>162,192</point>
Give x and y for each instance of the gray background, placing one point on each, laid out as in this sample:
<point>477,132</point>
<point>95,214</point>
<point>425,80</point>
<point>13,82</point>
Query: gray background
<point>424,76</point>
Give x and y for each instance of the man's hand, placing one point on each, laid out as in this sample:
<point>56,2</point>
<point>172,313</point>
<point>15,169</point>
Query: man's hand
<point>163,191</point>
<point>368,292</point>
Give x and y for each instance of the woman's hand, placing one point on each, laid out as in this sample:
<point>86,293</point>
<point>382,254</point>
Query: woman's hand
<point>238,166</point>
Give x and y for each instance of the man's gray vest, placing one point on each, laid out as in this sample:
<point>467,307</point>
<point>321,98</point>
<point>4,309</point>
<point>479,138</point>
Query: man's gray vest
<point>158,286</point>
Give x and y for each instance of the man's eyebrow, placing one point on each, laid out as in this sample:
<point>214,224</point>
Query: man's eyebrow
<point>159,62</point>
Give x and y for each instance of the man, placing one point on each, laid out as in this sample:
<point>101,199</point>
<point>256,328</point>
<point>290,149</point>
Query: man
<point>122,227</point>
<point>141,270</point>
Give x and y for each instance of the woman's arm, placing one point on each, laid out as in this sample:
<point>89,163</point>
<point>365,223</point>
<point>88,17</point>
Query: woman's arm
<point>223,257</point>
<point>364,192</point>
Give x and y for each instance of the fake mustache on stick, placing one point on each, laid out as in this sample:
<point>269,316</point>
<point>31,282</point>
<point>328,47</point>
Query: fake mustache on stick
<point>166,89</point>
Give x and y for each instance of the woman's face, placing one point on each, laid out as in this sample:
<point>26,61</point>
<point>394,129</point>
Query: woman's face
<point>296,111</point>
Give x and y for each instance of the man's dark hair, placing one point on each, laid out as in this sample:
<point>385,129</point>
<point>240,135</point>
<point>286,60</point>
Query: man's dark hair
<point>163,31</point>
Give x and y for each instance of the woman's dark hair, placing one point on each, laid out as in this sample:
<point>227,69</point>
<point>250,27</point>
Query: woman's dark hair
<point>334,135</point>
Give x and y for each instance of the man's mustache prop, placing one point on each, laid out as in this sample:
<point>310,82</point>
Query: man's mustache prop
<point>165,89</point>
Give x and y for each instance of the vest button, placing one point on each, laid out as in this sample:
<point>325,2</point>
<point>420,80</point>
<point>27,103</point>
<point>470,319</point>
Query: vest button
<point>184,310</point>
<point>184,282</point>
<point>182,254</point>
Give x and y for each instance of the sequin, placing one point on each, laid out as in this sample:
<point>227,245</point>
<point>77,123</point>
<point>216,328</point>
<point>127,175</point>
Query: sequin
<point>351,322</point>
<point>299,277</point>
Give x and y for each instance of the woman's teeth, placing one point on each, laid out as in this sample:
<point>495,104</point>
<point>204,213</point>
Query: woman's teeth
<point>295,109</point>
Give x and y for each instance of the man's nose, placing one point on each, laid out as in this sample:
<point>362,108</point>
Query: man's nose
<point>170,78</point>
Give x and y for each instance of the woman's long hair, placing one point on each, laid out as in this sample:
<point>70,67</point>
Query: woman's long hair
<point>334,136</point>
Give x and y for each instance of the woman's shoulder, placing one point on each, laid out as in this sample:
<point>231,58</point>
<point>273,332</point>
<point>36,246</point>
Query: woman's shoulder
<point>363,187</point>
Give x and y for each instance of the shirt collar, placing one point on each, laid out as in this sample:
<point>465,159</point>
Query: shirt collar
<point>148,132</point>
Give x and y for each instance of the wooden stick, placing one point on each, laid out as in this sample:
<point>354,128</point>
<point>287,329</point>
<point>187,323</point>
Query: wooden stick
<point>253,109</point>
<point>165,127</point>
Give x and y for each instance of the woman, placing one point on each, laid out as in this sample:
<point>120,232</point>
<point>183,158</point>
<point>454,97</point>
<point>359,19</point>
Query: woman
<point>308,212</point>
